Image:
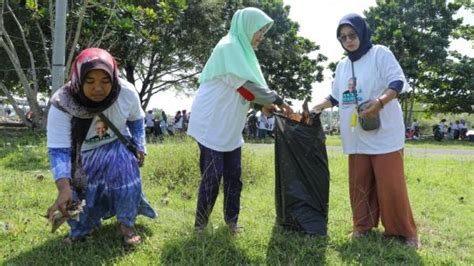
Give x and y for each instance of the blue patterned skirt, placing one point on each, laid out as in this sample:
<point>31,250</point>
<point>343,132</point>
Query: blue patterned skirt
<point>113,189</point>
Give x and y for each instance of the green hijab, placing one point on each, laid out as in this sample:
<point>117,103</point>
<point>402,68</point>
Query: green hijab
<point>234,53</point>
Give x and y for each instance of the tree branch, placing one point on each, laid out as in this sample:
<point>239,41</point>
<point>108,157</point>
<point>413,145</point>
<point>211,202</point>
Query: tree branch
<point>43,42</point>
<point>27,47</point>
<point>76,37</point>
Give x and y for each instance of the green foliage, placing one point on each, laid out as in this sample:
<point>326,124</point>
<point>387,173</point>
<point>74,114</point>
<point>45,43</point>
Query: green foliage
<point>167,44</point>
<point>28,14</point>
<point>284,56</point>
<point>418,33</point>
<point>164,44</point>
<point>450,85</point>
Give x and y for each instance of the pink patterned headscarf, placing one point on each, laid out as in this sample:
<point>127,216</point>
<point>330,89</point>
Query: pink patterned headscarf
<point>71,97</point>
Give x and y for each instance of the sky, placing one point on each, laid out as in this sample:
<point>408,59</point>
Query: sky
<point>318,22</point>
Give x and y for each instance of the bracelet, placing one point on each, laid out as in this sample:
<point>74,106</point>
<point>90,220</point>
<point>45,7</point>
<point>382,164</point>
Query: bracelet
<point>381,103</point>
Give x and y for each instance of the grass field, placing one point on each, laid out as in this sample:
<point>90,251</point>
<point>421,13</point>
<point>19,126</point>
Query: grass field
<point>440,187</point>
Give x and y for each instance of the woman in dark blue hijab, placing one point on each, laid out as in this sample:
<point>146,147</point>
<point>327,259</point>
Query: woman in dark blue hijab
<point>365,88</point>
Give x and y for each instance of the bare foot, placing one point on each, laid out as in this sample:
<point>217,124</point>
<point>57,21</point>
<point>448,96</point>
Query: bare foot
<point>129,236</point>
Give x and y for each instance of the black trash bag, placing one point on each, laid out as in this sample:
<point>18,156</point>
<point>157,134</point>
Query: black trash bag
<point>302,176</point>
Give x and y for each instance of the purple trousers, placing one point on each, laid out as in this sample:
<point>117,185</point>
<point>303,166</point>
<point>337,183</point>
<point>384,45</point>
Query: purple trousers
<point>214,165</point>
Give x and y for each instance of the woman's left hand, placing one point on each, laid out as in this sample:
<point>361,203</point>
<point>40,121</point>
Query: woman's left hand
<point>140,157</point>
<point>372,109</point>
<point>286,109</point>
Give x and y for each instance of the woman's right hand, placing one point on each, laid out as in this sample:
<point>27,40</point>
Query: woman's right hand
<point>63,200</point>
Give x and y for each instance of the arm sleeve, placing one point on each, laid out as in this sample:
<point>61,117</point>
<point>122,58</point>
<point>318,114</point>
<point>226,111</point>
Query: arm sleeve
<point>58,129</point>
<point>392,73</point>
<point>258,94</point>
<point>60,159</point>
<point>396,85</point>
<point>333,97</point>
<point>133,102</point>
<point>137,130</point>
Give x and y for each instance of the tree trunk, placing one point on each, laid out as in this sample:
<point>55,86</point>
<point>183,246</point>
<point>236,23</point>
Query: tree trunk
<point>31,91</point>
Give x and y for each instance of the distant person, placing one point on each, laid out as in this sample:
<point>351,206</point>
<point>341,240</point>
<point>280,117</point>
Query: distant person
<point>230,82</point>
<point>415,129</point>
<point>252,121</point>
<point>104,173</point>
<point>164,122</point>
<point>450,131</point>
<point>442,126</point>
<point>263,126</point>
<point>271,125</point>
<point>178,122</point>
<point>149,122</point>
<point>462,129</point>
<point>456,130</point>
<point>374,137</point>
<point>185,121</point>
<point>30,117</point>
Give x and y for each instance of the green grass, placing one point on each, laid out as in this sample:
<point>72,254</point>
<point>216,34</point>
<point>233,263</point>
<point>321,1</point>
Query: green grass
<point>440,190</point>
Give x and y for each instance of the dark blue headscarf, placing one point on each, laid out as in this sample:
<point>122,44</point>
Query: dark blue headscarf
<point>363,32</point>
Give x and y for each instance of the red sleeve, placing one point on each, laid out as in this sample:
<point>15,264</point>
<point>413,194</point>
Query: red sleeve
<point>246,94</point>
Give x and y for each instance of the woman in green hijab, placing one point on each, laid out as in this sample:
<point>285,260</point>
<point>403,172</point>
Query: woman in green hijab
<point>230,82</point>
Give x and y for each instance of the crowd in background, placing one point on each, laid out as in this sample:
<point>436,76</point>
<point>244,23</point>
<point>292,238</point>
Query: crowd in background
<point>158,124</point>
<point>452,131</point>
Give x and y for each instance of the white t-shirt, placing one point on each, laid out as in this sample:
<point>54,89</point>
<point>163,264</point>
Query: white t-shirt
<point>263,122</point>
<point>374,72</point>
<point>149,117</point>
<point>179,124</point>
<point>271,122</point>
<point>219,114</point>
<point>126,108</point>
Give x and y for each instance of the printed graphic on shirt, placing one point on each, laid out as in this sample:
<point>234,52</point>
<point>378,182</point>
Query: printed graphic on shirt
<point>351,84</point>
<point>102,132</point>
<point>349,96</point>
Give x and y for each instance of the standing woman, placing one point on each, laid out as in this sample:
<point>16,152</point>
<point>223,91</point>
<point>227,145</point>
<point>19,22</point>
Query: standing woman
<point>373,138</point>
<point>104,172</point>
<point>230,81</point>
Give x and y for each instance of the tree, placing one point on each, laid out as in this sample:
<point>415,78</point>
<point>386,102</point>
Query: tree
<point>451,86</point>
<point>418,33</point>
<point>285,56</point>
<point>23,71</point>
<point>172,55</point>
<point>159,45</point>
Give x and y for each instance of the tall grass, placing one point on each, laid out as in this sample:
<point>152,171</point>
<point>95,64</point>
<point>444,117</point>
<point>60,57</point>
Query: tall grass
<point>440,190</point>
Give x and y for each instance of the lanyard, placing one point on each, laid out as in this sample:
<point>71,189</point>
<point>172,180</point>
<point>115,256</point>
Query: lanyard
<point>354,79</point>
